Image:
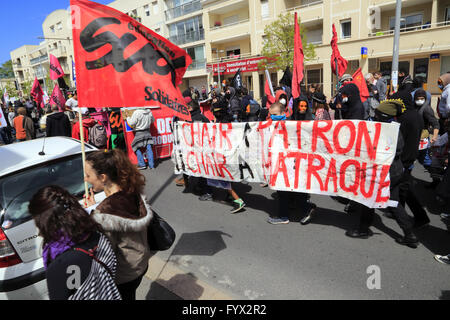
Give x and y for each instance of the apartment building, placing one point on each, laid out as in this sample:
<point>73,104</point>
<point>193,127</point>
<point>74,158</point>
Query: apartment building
<point>222,36</point>
<point>234,35</point>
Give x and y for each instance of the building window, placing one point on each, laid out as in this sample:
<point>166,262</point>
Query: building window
<point>59,26</point>
<point>157,30</point>
<point>407,23</point>
<point>155,7</point>
<point>421,68</point>
<point>447,15</point>
<point>233,53</point>
<point>346,29</point>
<point>52,29</point>
<point>265,8</point>
<point>134,13</point>
<point>147,10</point>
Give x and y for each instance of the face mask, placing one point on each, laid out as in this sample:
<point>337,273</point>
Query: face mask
<point>283,101</point>
<point>278,118</point>
<point>420,102</point>
<point>345,100</point>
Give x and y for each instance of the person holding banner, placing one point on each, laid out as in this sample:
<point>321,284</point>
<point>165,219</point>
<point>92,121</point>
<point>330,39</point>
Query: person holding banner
<point>388,111</point>
<point>277,113</point>
<point>124,215</point>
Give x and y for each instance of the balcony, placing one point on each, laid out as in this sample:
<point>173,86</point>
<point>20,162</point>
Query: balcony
<point>197,64</point>
<point>182,10</point>
<point>411,29</point>
<point>39,60</point>
<point>230,32</point>
<point>188,37</point>
<point>304,4</point>
<point>58,52</point>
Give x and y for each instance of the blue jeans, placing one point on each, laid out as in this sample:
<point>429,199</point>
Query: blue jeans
<point>140,157</point>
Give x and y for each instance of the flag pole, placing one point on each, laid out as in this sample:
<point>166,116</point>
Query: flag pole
<point>270,83</point>
<point>83,150</point>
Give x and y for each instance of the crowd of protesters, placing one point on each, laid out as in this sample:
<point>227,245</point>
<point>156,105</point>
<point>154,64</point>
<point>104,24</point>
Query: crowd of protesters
<point>410,106</point>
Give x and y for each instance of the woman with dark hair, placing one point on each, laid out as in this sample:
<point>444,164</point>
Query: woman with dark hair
<point>124,215</point>
<point>80,263</point>
<point>320,107</point>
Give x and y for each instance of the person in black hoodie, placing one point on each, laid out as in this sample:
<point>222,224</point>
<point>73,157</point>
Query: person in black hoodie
<point>352,107</point>
<point>58,124</point>
<point>411,125</point>
<point>301,110</point>
<point>234,104</point>
<point>388,111</point>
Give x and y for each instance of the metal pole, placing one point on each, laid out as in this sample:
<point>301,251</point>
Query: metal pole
<point>218,69</point>
<point>395,58</point>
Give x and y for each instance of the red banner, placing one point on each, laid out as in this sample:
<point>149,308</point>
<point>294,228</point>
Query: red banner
<point>55,68</point>
<point>246,65</point>
<point>57,98</point>
<point>360,82</point>
<point>122,63</point>
<point>336,55</point>
<point>37,93</point>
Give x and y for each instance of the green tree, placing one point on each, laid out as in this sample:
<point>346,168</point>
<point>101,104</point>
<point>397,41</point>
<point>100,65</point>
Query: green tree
<point>50,84</point>
<point>26,88</point>
<point>6,70</point>
<point>11,89</point>
<point>279,43</point>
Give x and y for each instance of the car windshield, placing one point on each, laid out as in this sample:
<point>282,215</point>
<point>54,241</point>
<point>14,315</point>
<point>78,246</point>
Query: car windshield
<point>16,190</point>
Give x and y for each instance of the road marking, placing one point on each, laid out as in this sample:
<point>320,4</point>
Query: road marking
<point>185,285</point>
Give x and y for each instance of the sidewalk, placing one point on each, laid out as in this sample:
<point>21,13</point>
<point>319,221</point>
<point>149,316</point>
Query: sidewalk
<point>166,281</point>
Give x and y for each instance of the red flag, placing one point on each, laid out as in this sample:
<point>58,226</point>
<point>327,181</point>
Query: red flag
<point>297,74</point>
<point>342,63</point>
<point>360,82</point>
<point>57,98</point>
<point>270,97</point>
<point>122,63</point>
<point>37,93</point>
<point>55,68</point>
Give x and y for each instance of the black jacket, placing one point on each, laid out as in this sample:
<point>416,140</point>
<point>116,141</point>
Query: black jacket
<point>234,104</point>
<point>58,125</point>
<point>353,109</point>
<point>197,116</point>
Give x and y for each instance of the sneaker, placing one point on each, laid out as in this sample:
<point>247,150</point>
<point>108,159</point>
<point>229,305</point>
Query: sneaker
<point>443,259</point>
<point>278,220</point>
<point>445,217</point>
<point>205,197</point>
<point>308,217</point>
<point>180,182</point>
<point>263,185</point>
<point>360,234</point>
<point>237,206</point>
<point>142,168</point>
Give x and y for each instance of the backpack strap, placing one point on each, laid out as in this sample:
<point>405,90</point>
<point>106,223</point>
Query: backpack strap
<point>91,253</point>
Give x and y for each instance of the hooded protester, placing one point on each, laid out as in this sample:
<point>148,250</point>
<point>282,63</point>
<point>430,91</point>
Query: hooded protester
<point>352,107</point>
<point>281,96</point>
<point>389,111</point>
<point>444,104</point>
<point>301,111</point>
<point>234,105</point>
<point>411,125</point>
<point>405,81</point>
<point>58,124</point>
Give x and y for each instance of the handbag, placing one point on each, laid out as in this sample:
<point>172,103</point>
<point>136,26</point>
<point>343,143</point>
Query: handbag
<point>160,235</point>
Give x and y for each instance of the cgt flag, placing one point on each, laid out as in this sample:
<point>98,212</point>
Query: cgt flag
<point>57,98</point>
<point>360,82</point>
<point>37,93</point>
<point>56,71</point>
<point>122,63</point>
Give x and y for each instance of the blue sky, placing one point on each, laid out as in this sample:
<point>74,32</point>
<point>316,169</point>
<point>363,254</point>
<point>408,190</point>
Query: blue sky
<point>21,22</point>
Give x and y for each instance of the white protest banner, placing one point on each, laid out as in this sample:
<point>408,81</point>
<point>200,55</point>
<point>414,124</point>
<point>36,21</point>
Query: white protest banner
<point>2,119</point>
<point>347,158</point>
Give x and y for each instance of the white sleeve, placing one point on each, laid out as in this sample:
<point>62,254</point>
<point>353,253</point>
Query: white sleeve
<point>132,120</point>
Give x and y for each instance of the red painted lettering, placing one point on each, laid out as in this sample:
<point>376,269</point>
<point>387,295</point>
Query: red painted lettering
<point>383,184</point>
<point>298,156</point>
<point>312,170</point>
<point>280,166</point>
<point>368,194</point>
<point>354,187</point>
<point>319,132</point>
<point>331,175</point>
<point>370,146</point>
<point>351,139</point>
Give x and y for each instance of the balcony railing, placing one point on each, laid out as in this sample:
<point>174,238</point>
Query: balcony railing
<point>197,64</point>
<point>233,57</point>
<point>183,10</point>
<point>407,29</point>
<point>38,60</point>
<point>229,25</point>
<point>305,5</point>
<point>188,37</point>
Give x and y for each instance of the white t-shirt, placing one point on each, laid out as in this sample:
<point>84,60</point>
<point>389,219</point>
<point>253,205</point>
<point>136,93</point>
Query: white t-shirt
<point>73,104</point>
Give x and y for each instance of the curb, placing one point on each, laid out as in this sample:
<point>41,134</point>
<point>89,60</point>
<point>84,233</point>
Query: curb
<point>184,285</point>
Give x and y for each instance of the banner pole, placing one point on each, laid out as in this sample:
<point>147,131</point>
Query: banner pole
<point>83,150</point>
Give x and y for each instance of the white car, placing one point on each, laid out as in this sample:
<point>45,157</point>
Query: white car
<point>25,168</point>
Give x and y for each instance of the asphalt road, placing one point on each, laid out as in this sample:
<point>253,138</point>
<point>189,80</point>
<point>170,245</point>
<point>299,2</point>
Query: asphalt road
<point>244,257</point>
